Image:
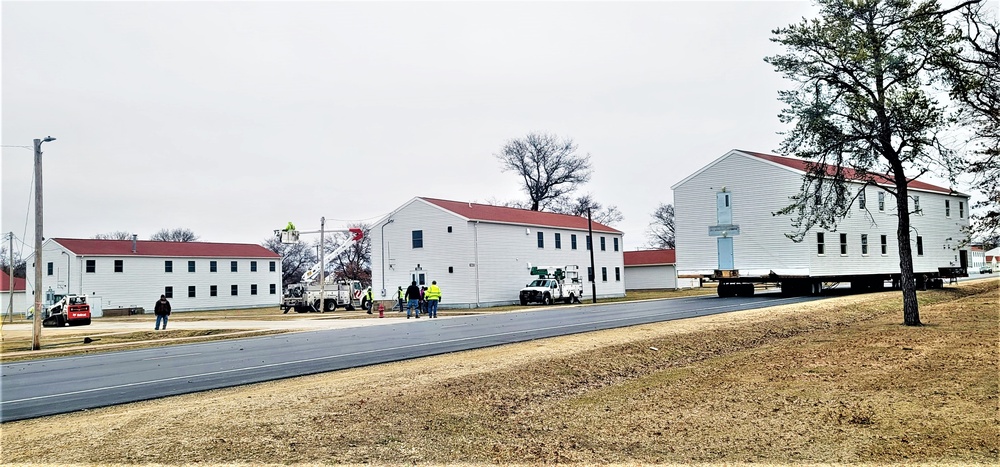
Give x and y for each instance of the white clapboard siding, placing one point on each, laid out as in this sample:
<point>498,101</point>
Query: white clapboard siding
<point>656,276</point>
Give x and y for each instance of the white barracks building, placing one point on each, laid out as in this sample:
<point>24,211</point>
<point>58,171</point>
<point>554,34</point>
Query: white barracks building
<point>481,255</point>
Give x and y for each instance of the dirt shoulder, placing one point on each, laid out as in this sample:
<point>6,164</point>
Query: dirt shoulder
<point>838,381</point>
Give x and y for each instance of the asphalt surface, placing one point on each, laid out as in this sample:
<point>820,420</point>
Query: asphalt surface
<point>60,385</point>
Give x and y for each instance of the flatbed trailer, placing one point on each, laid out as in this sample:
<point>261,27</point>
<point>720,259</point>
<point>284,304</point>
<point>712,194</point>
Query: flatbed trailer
<point>732,284</point>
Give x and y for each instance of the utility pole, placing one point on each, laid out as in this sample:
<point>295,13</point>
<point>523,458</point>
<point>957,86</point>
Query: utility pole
<point>593,269</point>
<point>36,328</point>
<point>322,260</point>
<point>10,271</point>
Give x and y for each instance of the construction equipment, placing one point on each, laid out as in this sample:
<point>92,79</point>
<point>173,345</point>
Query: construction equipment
<point>309,295</point>
<point>67,311</point>
<point>553,284</point>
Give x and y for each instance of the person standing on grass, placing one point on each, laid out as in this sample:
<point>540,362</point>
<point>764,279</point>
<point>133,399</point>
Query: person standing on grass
<point>402,296</point>
<point>433,296</point>
<point>162,311</point>
<point>413,299</point>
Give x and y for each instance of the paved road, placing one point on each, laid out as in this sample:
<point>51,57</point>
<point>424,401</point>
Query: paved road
<point>59,385</point>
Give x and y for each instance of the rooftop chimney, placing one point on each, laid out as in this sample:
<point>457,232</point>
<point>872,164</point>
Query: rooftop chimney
<point>134,236</point>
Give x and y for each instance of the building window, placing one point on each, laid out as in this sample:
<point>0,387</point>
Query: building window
<point>451,269</point>
<point>119,265</point>
<point>864,244</point>
<point>273,289</point>
<point>961,210</point>
<point>590,274</point>
<point>616,243</point>
<point>191,290</point>
<point>881,201</point>
<point>191,267</point>
<point>253,266</point>
<point>91,265</point>
<point>168,291</point>
<point>920,245</point>
<point>213,266</point>
<point>449,229</point>
<point>916,204</point>
<point>168,266</point>
<point>589,243</point>
<point>541,240</point>
<point>558,240</point>
<point>234,290</point>
<point>50,268</point>
<point>271,267</point>
<point>947,208</point>
<point>604,274</point>
<point>618,274</point>
<point>418,238</point>
<point>819,244</point>
<point>234,266</point>
<point>213,290</point>
<point>253,289</point>
<point>604,246</point>
<point>885,245</point>
<point>572,241</point>
<point>861,199</point>
<point>843,244</point>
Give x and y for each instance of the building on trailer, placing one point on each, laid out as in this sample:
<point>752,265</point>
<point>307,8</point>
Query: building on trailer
<point>482,255</point>
<point>16,295</point>
<point>725,229</point>
<point>120,274</point>
<point>654,269</point>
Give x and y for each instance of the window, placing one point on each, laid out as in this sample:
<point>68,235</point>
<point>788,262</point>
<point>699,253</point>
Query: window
<point>191,290</point>
<point>604,244</point>
<point>234,266</point>
<point>947,208</point>
<point>253,266</point>
<point>418,238</point>
<point>168,266</point>
<point>50,268</point>
<point>213,290</point>
<point>961,209</point>
<point>541,240</point>
<point>920,245</point>
<point>861,199</point>
<point>253,289</point>
<point>864,244</point>
<point>119,265</point>
<point>589,243</point>
<point>449,229</point>
<point>91,265</point>
<point>572,241</point>
<point>618,274</point>
<point>881,201</point>
<point>168,291</point>
<point>819,243</point>
<point>843,244</point>
<point>885,245</point>
<point>451,269</point>
<point>191,266</point>
<point>213,266</point>
<point>604,274</point>
<point>558,240</point>
<point>916,204</point>
<point>234,290</point>
<point>616,243</point>
<point>271,267</point>
<point>273,289</point>
<point>590,274</point>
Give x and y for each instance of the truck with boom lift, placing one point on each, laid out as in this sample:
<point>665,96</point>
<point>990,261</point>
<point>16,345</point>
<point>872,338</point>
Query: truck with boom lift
<point>309,295</point>
<point>553,284</point>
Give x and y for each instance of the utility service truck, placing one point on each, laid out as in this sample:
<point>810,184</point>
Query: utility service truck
<point>308,295</point>
<point>553,284</point>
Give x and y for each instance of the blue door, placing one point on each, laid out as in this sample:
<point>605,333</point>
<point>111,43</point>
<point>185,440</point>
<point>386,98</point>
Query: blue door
<point>726,253</point>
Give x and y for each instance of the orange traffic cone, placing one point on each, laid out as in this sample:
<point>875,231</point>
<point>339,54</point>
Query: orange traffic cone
<point>381,310</point>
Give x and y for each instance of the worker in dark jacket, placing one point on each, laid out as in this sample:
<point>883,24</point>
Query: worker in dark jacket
<point>412,299</point>
<point>162,311</point>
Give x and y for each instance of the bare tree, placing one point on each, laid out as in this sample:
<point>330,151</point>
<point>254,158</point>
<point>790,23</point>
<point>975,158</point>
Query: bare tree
<point>661,228</point>
<point>549,167</point>
<point>174,235</point>
<point>355,263</point>
<point>116,235</point>
<point>607,215</point>
<point>296,258</point>
<point>19,264</point>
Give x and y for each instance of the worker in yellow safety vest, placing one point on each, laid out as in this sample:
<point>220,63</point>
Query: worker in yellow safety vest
<point>371,300</point>
<point>402,297</point>
<point>290,227</point>
<point>433,296</point>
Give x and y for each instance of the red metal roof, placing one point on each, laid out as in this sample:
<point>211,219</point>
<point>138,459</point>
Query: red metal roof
<point>850,174</point>
<point>502,214</point>
<point>650,257</point>
<point>92,247</point>
<point>5,283</point>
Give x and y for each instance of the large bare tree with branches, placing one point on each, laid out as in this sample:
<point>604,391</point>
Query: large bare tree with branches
<point>549,166</point>
<point>661,228</point>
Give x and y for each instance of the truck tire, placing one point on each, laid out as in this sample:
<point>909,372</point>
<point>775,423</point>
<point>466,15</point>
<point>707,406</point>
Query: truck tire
<point>524,302</point>
<point>317,306</point>
<point>568,300</point>
<point>329,305</point>
<point>301,309</point>
<point>547,299</point>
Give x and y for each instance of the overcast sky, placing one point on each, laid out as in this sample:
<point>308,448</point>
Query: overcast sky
<point>233,118</point>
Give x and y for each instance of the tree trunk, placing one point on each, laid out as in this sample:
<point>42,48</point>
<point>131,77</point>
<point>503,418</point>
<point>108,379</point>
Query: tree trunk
<point>911,312</point>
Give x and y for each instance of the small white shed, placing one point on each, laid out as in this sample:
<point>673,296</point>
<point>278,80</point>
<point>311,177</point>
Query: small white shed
<point>650,269</point>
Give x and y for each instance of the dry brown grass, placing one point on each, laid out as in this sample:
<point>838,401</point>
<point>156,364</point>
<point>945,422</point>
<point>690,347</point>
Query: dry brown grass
<point>838,381</point>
